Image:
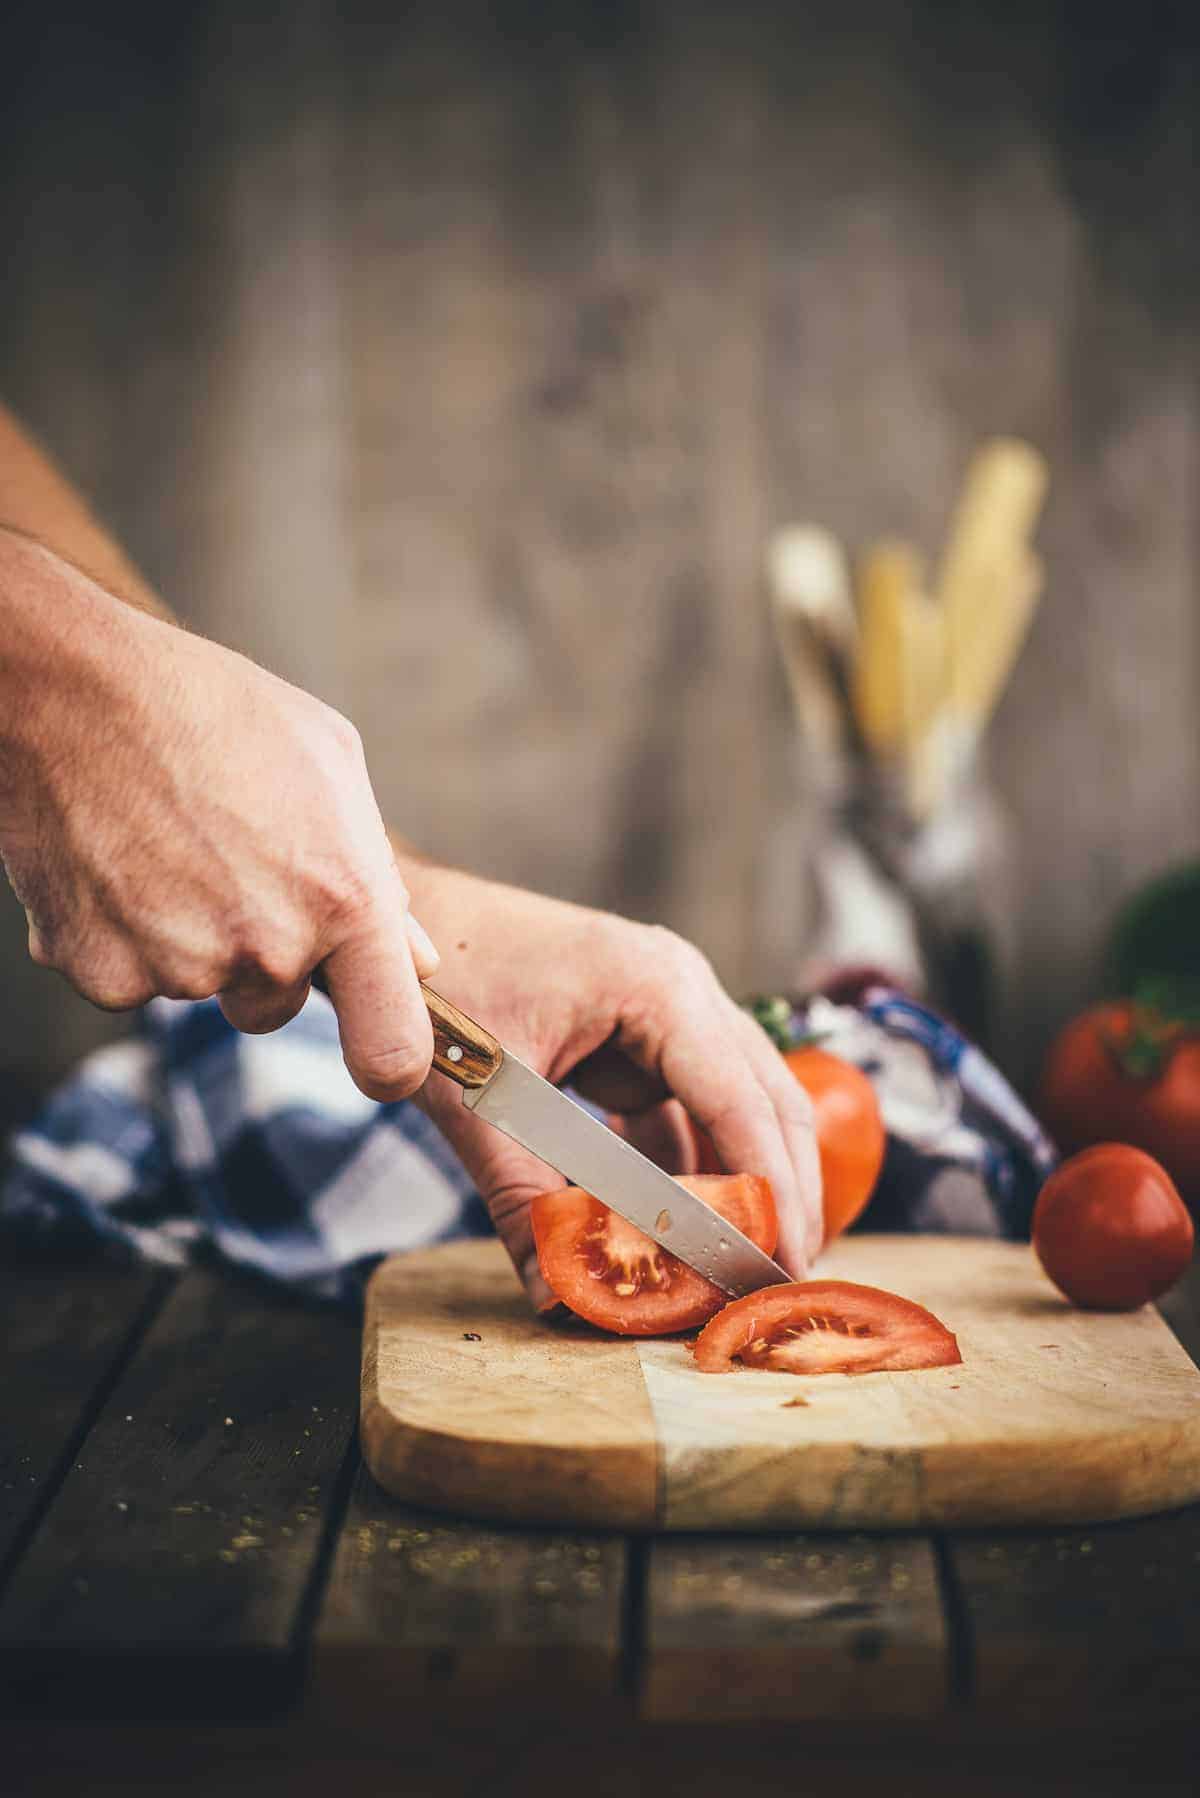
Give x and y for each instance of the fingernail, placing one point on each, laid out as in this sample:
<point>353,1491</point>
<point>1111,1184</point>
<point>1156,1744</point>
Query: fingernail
<point>423,948</point>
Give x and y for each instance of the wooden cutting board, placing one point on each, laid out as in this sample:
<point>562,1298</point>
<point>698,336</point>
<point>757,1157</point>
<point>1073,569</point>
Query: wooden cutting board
<point>472,1405</point>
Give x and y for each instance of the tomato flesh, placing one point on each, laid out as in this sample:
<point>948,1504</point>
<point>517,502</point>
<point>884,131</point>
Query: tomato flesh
<point>1111,1230</point>
<point>610,1273</point>
<point>825,1326</point>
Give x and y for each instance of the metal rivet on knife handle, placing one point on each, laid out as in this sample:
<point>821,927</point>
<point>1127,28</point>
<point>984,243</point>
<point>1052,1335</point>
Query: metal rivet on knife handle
<point>461,1047</point>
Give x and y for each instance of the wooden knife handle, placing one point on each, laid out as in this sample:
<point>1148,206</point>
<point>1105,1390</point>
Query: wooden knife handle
<point>461,1047</point>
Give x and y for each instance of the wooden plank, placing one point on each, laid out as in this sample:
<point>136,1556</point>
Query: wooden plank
<point>539,1758</point>
<point>800,1629</point>
<point>66,1330</point>
<point>1091,1627</point>
<point>287,1758</point>
<point>776,1762</point>
<point>171,1572</point>
<point>1084,1628</point>
<point>423,1612</point>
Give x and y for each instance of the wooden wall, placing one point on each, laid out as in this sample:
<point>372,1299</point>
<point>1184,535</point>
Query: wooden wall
<point>457,365</point>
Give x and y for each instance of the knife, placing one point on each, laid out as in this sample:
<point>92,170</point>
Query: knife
<point>500,1089</point>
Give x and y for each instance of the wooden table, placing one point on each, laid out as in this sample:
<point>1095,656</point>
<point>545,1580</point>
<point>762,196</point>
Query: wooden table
<point>203,1590</point>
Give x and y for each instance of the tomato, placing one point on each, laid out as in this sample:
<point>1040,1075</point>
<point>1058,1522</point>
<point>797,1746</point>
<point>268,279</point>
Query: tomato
<point>1111,1230</point>
<point>851,1139</point>
<point>1124,1072</point>
<point>608,1272</point>
<point>824,1326</point>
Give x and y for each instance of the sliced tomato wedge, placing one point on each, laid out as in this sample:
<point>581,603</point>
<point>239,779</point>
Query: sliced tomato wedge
<point>611,1274</point>
<point>824,1326</point>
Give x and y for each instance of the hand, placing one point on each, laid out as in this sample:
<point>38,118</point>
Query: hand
<point>638,1021</point>
<point>177,821</point>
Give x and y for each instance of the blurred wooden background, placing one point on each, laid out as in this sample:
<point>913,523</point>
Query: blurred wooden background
<point>456,362</point>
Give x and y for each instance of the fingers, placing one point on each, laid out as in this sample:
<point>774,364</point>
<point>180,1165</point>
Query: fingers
<point>800,1209</point>
<point>735,1085</point>
<point>257,1008</point>
<point>506,1176</point>
<point>108,972</point>
<point>662,1133</point>
<point>426,959</point>
<point>387,1038</point>
<point>608,1078</point>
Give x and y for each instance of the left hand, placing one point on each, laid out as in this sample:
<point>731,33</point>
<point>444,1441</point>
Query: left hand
<point>636,1019</point>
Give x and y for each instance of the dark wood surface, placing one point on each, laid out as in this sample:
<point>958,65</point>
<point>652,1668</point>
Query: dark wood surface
<point>796,1628</point>
<point>457,359</point>
<point>172,1569</point>
<point>69,1338</point>
<point>425,1611</point>
<point>211,1593</point>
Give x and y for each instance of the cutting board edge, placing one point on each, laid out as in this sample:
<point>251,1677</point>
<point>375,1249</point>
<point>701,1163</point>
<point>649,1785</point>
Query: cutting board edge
<point>438,1472</point>
<point>921,1472</point>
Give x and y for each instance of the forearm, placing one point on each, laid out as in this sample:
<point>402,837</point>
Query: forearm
<point>38,501</point>
<point>60,649</point>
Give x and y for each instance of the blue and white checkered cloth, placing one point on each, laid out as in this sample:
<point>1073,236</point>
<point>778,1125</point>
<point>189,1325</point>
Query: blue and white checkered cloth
<point>192,1139</point>
<point>965,1155</point>
<point>258,1148</point>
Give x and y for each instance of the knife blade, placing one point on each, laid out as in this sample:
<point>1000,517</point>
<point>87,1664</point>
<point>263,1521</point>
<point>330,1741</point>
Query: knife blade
<point>510,1096</point>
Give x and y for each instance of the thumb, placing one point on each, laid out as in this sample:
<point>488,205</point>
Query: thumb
<point>506,1177</point>
<point>387,1038</point>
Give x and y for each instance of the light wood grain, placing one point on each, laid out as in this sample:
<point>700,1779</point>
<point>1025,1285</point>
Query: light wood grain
<point>1054,1415</point>
<point>472,1404</point>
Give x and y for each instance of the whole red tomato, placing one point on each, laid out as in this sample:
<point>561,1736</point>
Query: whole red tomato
<point>850,1134</point>
<point>1110,1229</point>
<point>851,1139</point>
<point>1128,1072</point>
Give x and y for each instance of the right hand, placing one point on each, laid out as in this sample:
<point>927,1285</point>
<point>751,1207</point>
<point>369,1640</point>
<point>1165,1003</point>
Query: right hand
<point>177,821</point>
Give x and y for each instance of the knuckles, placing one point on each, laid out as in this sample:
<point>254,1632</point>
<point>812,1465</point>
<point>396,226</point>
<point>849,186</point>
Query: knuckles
<point>344,736</point>
<point>266,961</point>
<point>113,989</point>
<point>672,957</point>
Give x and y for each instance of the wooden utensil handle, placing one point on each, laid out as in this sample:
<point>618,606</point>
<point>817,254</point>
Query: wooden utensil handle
<point>461,1047</point>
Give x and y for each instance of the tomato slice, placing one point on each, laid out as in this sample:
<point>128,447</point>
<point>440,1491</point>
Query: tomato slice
<point>611,1274</point>
<point>824,1326</point>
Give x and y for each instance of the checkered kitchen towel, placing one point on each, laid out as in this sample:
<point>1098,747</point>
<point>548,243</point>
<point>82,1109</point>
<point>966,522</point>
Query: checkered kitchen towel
<point>194,1139</point>
<point>965,1156</point>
